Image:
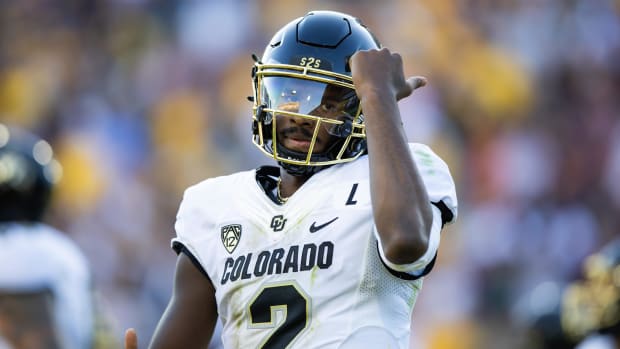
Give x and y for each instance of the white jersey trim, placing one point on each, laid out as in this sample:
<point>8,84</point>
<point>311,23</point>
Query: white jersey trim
<point>417,268</point>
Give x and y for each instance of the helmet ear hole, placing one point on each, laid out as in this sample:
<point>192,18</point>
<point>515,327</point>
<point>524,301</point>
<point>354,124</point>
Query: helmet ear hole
<point>344,130</point>
<point>260,113</point>
<point>264,120</point>
<point>263,116</point>
<point>255,128</point>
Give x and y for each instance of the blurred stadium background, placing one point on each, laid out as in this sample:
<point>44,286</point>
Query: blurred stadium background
<point>142,98</point>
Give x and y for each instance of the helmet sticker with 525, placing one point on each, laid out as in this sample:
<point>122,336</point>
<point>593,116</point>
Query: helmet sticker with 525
<point>312,62</point>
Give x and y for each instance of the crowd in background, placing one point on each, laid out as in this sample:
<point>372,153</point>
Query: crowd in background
<point>141,99</point>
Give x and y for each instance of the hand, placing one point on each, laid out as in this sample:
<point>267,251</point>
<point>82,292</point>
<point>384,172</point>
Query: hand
<point>381,71</point>
<point>131,339</point>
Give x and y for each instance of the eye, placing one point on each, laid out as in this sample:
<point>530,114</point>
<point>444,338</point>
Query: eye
<point>329,106</point>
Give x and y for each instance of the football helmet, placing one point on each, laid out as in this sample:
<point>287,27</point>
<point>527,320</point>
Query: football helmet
<point>592,304</point>
<point>303,83</point>
<point>28,171</point>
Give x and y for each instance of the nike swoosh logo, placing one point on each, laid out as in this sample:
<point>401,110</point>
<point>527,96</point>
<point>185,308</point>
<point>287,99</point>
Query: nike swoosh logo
<point>314,228</point>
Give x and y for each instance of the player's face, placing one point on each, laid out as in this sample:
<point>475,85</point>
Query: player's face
<point>298,99</point>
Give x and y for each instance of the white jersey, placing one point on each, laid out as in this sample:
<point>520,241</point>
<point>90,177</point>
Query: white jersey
<point>309,273</point>
<point>36,257</point>
<point>597,341</point>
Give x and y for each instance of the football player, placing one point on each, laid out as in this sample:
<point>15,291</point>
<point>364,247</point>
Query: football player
<point>591,305</point>
<point>45,281</point>
<point>327,250</point>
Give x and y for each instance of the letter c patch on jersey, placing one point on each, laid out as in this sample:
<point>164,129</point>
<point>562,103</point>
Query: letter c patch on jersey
<point>231,234</point>
<point>277,222</point>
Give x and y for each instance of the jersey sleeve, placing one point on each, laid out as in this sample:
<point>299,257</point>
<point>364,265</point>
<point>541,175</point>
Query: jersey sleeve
<point>75,294</point>
<point>442,195</point>
<point>437,180</point>
<point>61,268</point>
<point>191,220</point>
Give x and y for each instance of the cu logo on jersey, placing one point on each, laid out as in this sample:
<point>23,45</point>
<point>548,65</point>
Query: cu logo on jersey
<point>230,236</point>
<point>277,222</point>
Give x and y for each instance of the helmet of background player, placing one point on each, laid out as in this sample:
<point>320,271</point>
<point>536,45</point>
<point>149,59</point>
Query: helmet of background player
<point>28,171</point>
<point>304,76</point>
<point>592,304</point>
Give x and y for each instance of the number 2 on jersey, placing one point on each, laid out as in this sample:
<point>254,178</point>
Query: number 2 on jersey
<point>291,302</point>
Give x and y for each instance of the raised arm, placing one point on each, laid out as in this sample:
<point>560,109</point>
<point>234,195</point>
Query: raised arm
<point>401,208</point>
<point>190,317</point>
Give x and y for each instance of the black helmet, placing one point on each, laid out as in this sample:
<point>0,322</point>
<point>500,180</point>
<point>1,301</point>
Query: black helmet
<point>307,62</point>
<point>28,172</point>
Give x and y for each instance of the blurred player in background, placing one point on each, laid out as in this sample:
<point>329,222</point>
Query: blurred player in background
<point>591,306</point>
<point>46,300</point>
<point>540,314</point>
<point>329,249</point>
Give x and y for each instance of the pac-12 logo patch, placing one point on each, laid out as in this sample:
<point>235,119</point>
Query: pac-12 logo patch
<point>231,234</point>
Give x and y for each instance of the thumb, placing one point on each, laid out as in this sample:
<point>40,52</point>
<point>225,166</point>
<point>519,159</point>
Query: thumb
<point>416,82</point>
<point>412,84</point>
<point>131,339</point>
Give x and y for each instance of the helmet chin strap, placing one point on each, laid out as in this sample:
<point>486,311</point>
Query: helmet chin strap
<point>306,170</point>
<point>301,170</point>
